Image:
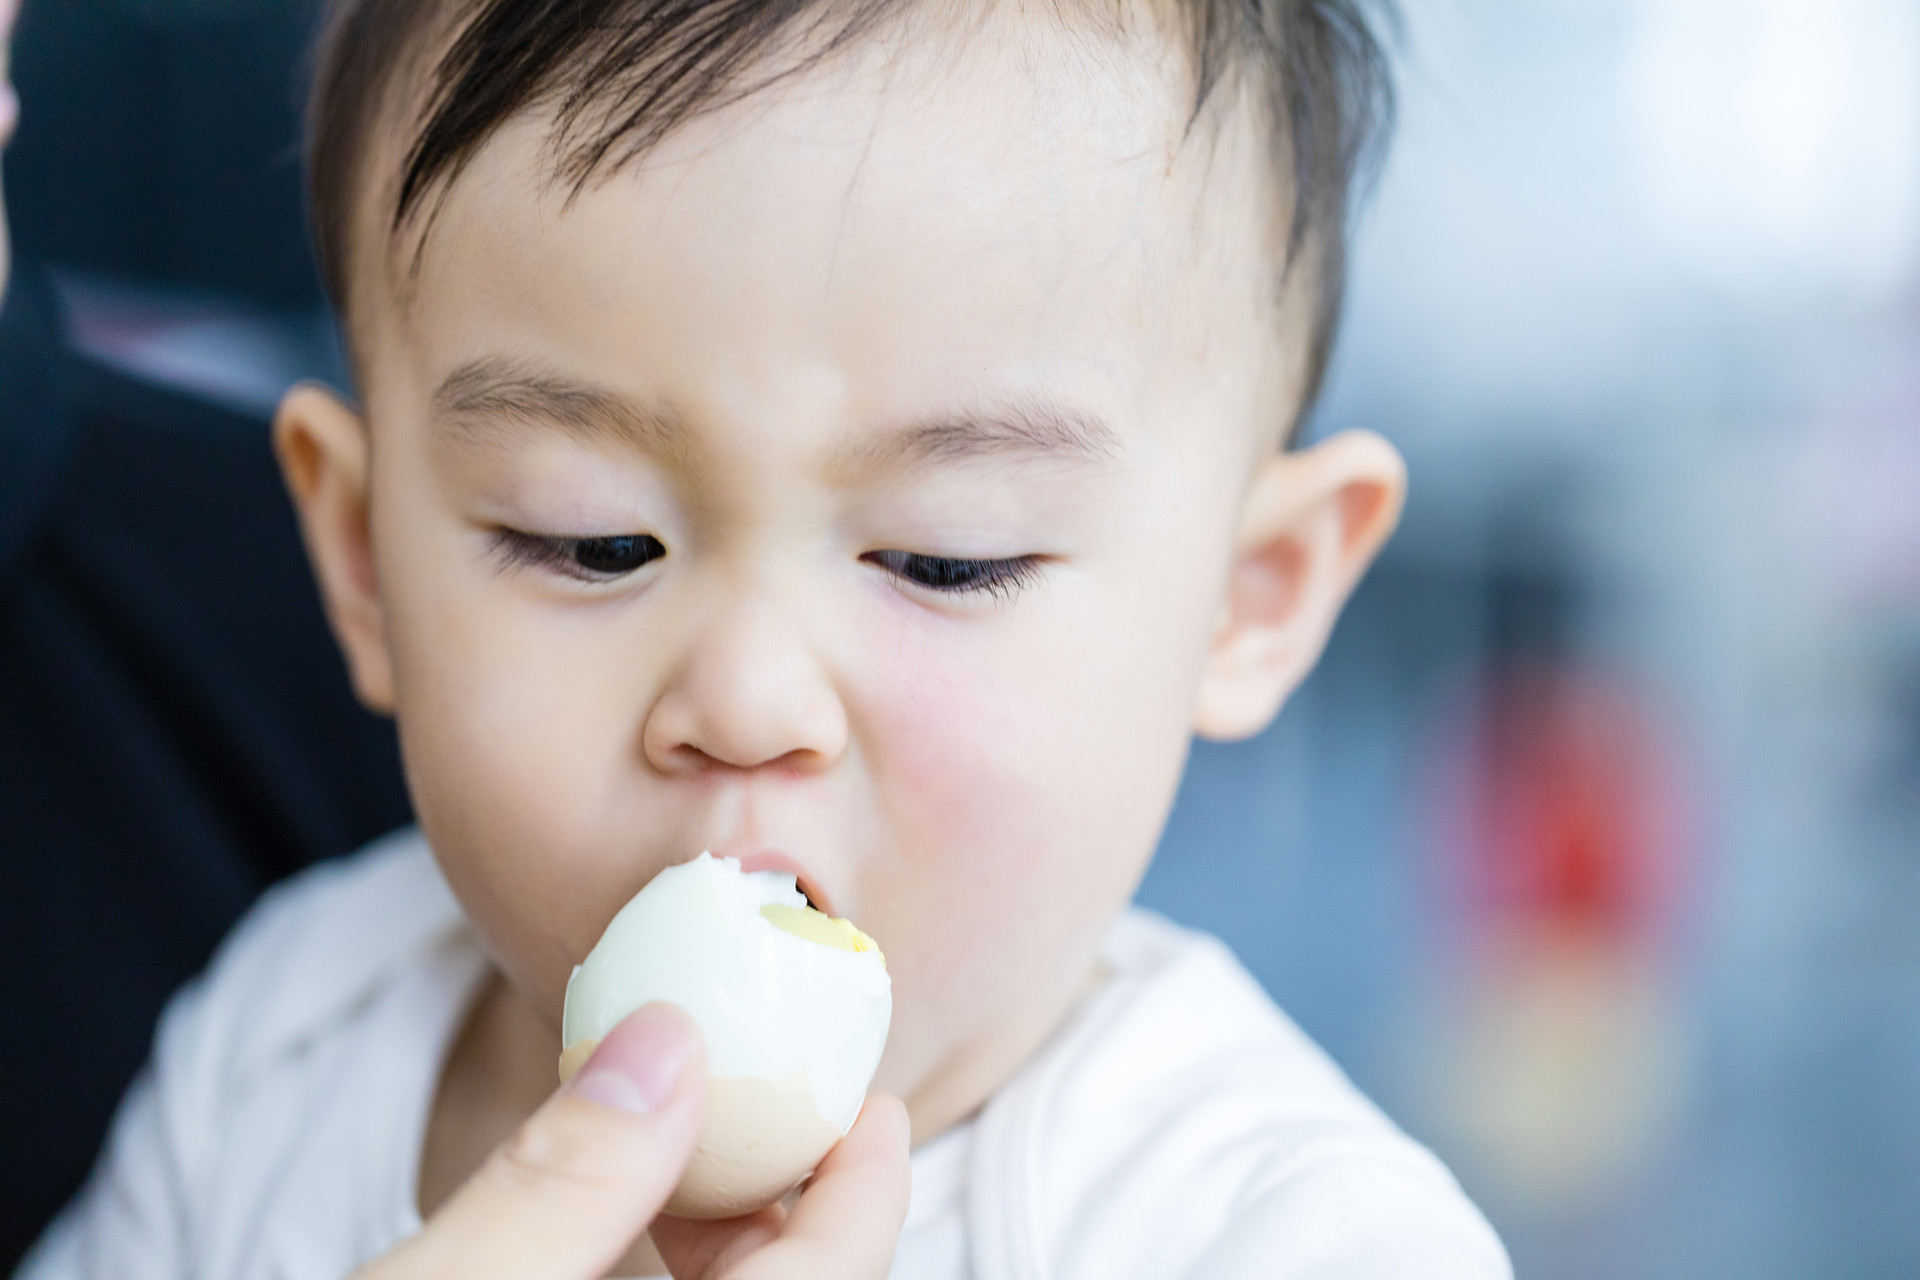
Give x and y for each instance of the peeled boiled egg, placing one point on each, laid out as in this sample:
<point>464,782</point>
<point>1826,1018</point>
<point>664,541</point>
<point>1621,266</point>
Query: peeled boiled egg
<point>794,1005</point>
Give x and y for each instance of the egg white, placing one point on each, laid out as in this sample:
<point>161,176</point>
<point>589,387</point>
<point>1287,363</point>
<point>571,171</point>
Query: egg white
<point>771,1005</point>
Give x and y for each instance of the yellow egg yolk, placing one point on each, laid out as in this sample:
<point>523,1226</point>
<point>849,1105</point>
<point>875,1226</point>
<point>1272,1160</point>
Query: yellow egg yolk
<point>817,926</point>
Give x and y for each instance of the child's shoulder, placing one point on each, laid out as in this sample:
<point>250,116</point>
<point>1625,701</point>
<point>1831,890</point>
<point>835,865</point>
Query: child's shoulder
<point>304,987</point>
<point>1181,1124</point>
<point>320,946</point>
<point>274,1131</point>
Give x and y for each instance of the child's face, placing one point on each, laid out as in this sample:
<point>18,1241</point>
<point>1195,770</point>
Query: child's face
<point>979,304</point>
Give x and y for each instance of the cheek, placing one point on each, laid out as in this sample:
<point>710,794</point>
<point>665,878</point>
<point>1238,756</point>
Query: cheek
<point>511,755</point>
<point>1025,776</point>
<point>961,765</point>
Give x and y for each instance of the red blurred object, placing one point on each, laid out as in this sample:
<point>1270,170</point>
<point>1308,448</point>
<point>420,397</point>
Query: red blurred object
<point>1553,1060</point>
<point>1561,807</point>
<point>1569,804</point>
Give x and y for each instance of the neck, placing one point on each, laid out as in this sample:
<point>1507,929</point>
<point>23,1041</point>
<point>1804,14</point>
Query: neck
<point>963,1083</point>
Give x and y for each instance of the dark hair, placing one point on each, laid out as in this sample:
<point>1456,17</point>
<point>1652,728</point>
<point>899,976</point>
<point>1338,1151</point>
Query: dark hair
<point>622,74</point>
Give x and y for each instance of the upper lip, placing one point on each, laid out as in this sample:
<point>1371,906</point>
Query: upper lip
<point>764,859</point>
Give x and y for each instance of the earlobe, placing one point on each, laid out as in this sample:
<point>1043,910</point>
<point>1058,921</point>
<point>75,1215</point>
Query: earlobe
<point>323,451</point>
<point>1311,523</point>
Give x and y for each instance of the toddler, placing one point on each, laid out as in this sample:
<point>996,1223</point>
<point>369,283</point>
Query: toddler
<point>849,436</point>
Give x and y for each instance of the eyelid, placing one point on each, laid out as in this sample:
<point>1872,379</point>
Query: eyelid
<point>515,549</point>
<point>1002,578</point>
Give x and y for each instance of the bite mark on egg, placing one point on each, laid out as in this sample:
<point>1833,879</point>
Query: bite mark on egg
<point>815,925</point>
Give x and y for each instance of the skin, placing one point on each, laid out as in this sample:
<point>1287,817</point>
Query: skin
<point>9,119</point>
<point>980,298</point>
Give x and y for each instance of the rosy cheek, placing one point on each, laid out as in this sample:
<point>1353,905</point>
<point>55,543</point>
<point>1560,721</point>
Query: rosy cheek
<point>972,772</point>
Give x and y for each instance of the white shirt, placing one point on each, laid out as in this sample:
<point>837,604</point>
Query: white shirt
<point>1177,1125</point>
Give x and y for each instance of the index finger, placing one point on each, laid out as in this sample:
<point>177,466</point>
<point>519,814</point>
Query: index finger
<point>567,1195</point>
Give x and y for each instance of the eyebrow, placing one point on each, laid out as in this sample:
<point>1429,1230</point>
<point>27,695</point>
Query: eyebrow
<point>483,398</point>
<point>1025,429</point>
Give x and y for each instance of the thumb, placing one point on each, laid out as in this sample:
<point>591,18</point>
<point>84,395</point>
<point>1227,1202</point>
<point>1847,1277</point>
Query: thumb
<point>568,1194</point>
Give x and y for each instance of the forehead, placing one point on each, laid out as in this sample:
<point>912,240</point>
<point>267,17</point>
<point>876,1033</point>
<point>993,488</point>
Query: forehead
<point>1016,186</point>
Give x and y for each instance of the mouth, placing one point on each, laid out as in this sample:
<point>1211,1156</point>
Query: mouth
<point>774,860</point>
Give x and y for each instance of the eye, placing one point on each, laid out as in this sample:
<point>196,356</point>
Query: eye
<point>940,573</point>
<point>589,559</point>
<point>623,554</point>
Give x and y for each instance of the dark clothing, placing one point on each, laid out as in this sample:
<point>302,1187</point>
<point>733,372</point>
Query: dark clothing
<point>176,729</point>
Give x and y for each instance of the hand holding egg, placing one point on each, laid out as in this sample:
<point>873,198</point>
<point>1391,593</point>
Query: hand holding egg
<point>794,1006</point>
<point>566,1197</point>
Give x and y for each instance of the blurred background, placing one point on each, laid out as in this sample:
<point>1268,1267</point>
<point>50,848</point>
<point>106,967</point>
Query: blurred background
<point>1592,850</point>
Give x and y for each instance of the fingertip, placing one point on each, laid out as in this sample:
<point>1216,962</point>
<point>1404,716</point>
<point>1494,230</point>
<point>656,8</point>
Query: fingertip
<point>876,1150</point>
<point>848,1219</point>
<point>644,1062</point>
<point>882,1104</point>
<point>881,1127</point>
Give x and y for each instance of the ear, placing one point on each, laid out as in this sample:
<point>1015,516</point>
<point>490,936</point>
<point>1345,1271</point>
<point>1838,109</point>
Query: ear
<point>323,450</point>
<point>1311,523</point>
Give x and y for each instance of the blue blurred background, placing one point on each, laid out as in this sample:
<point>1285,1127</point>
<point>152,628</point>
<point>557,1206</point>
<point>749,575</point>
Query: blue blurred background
<point>1592,849</point>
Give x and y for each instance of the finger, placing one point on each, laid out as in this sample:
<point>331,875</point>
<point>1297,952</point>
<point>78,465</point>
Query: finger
<point>567,1195</point>
<point>697,1250</point>
<point>847,1221</point>
<point>853,1209</point>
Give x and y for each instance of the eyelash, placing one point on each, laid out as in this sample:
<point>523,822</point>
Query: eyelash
<point>1001,579</point>
<point>572,556</point>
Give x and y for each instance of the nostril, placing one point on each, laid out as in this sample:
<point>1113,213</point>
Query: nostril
<point>742,702</point>
<point>682,759</point>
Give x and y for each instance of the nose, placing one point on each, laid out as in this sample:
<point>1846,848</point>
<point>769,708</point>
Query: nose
<point>751,692</point>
